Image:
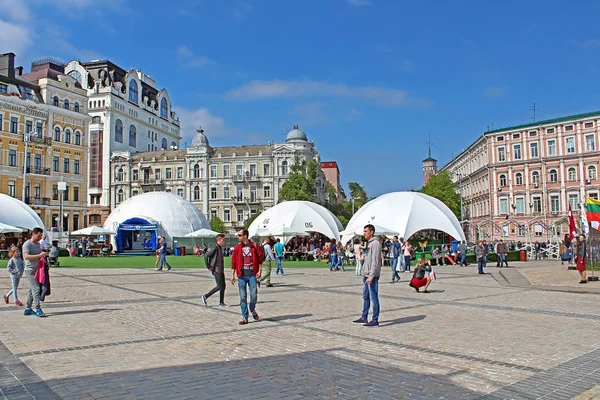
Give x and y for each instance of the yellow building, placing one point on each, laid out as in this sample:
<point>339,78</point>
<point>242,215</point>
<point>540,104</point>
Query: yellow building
<point>52,107</point>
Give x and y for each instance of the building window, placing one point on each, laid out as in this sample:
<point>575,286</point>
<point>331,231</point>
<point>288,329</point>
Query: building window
<point>518,178</point>
<point>572,174</point>
<point>520,205</point>
<point>504,206</point>
<point>78,138</point>
<point>180,192</point>
<point>555,203</point>
<point>266,169</point>
<point>551,147</point>
<point>568,128</point>
<point>226,171</point>
<point>3,88</point>
<point>66,193</point>
<point>135,175</point>
<point>588,125</point>
<point>134,193</point>
<point>537,204</point>
<point>67,136</point>
<point>1,123</point>
<point>54,192</point>
<point>226,215</point>
<point>516,136</point>
<point>252,169</point>
<point>517,151</point>
<point>118,131</point>
<point>76,107</point>
<point>120,196</point>
<point>553,175</point>
<point>284,168</point>
<point>590,143</point>
<point>119,175</point>
<point>213,213</point>
<point>253,196</point>
<point>591,172</point>
<point>12,158</point>
<point>66,104</point>
<point>168,173</point>
<point>164,143</point>
<point>57,134</point>
<point>570,142</point>
<point>534,150</point>
<point>213,193</point>
<point>240,215</point>
<point>133,91</point>
<point>132,136</point>
<point>267,192</point>
<point>535,178</point>
<point>76,167</point>
<point>593,195</point>
<point>66,165</point>
<point>213,171</point>
<point>502,180</point>
<point>29,126</point>
<point>55,164</point>
<point>55,101</point>
<point>12,188</point>
<point>239,170</point>
<point>179,172</point>
<point>501,154</point>
<point>550,130</point>
<point>164,108</point>
<point>196,172</point>
<point>196,192</point>
<point>13,124</point>
<point>76,193</point>
<point>157,174</point>
<point>574,201</point>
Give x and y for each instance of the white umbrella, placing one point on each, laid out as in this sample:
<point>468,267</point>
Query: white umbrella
<point>202,233</point>
<point>93,231</point>
<point>359,230</point>
<point>5,228</point>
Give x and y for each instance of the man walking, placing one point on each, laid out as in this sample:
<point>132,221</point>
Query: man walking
<point>269,257</point>
<point>84,243</point>
<point>163,254</point>
<point>371,270</point>
<point>462,248</point>
<point>279,249</point>
<point>479,255</point>
<point>246,264</point>
<point>214,262</point>
<point>394,253</point>
<point>32,252</point>
<point>502,249</point>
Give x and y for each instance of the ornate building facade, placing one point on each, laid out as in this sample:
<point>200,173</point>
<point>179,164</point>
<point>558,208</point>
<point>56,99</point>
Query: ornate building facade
<point>47,109</point>
<point>129,114</point>
<point>232,183</point>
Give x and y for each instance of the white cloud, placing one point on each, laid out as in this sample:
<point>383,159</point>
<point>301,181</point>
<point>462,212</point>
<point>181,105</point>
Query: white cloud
<point>494,91</point>
<point>14,10</point>
<point>189,59</point>
<point>8,32</point>
<point>241,9</point>
<point>191,120</point>
<point>353,113</point>
<point>359,2</point>
<point>311,113</point>
<point>308,88</point>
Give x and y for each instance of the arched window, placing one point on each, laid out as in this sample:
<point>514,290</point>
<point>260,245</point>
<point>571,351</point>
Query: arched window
<point>96,120</point>
<point>66,104</point>
<point>118,131</point>
<point>78,138</point>
<point>553,175</point>
<point>173,144</point>
<point>572,174</point>
<point>164,144</point>
<point>132,139</point>
<point>502,180</point>
<point>133,91</point>
<point>591,172</point>
<point>284,168</point>
<point>519,178</point>
<point>76,107</point>
<point>120,196</point>
<point>57,134</point>
<point>164,108</point>
<point>196,192</point>
<point>119,177</point>
<point>67,136</point>
<point>196,171</point>
<point>55,101</point>
<point>535,177</point>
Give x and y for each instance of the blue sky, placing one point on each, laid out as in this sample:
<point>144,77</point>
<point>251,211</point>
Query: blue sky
<point>366,79</point>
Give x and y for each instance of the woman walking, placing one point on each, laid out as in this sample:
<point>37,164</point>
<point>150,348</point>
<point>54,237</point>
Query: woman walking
<point>581,257</point>
<point>359,256</point>
<point>333,256</point>
<point>15,268</point>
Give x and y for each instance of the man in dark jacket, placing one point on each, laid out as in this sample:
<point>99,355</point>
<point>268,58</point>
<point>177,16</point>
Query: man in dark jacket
<point>246,263</point>
<point>214,262</point>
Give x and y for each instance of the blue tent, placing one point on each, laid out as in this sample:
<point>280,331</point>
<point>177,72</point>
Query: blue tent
<point>124,237</point>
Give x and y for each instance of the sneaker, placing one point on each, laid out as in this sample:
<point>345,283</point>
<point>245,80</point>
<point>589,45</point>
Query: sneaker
<point>255,315</point>
<point>204,300</point>
<point>18,303</point>
<point>393,282</point>
<point>372,323</point>
<point>168,269</point>
<point>40,313</point>
<point>258,283</point>
<point>28,311</point>
<point>244,321</point>
<point>6,299</point>
<point>360,321</point>
<point>223,305</point>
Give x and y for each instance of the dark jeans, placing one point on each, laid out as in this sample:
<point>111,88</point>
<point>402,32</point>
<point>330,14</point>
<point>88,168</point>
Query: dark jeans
<point>250,281</point>
<point>406,266</point>
<point>502,260</point>
<point>371,295</point>
<point>220,280</point>
<point>480,265</point>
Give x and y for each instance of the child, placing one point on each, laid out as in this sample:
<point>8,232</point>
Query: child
<point>15,268</point>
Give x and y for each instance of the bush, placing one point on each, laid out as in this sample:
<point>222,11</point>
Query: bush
<point>63,253</point>
<point>491,257</point>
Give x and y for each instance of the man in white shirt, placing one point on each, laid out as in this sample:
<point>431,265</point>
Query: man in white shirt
<point>268,262</point>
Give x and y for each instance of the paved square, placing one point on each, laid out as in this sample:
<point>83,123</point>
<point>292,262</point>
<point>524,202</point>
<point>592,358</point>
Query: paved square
<point>137,333</point>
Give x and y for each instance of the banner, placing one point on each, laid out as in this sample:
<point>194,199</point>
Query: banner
<point>130,227</point>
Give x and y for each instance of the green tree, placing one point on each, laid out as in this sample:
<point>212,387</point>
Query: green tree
<point>343,220</point>
<point>251,220</point>
<point>217,225</point>
<point>331,199</point>
<point>358,193</point>
<point>301,182</point>
<point>442,188</point>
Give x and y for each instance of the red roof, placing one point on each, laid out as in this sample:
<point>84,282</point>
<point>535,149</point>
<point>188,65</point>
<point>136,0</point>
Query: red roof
<point>329,164</point>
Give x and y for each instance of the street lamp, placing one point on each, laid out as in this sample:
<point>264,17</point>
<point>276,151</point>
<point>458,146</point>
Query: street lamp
<point>352,200</point>
<point>62,186</point>
<point>461,199</point>
<point>26,139</point>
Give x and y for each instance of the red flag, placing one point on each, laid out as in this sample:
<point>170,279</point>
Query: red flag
<point>572,227</point>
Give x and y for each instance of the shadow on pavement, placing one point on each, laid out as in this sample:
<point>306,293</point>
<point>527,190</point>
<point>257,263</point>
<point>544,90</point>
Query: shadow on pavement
<point>94,310</point>
<point>286,317</point>
<point>403,320</point>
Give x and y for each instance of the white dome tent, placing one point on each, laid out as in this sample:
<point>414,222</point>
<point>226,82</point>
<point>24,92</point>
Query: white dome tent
<point>405,213</point>
<point>16,213</point>
<point>297,217</point>
<point>153,214</point>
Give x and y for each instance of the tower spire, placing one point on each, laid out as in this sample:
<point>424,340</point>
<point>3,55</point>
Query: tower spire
<point>429,144</point>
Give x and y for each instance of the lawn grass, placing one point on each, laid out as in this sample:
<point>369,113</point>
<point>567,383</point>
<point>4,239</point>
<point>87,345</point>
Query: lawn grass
<point>175,262</point>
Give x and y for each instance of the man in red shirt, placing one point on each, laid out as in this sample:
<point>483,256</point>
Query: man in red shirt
<point>246,263</point>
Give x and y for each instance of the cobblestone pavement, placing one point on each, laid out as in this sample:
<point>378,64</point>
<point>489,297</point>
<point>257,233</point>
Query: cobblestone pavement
<point>138,333</point>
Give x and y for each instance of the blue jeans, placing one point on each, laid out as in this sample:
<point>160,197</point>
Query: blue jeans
<point>333,262</point>
<point>250,281</point>
<point>279,267</point>
<point>341,262</point>
<point>15,287</point>
<point>371,294</point>
<point>502,260</point>
<point>394,263</point>
<point>163,260</point>
<point>463,259</point>
<point>83,252</point>
<point>480,265</point>
<point>406,266</point>
<point>358,266</point>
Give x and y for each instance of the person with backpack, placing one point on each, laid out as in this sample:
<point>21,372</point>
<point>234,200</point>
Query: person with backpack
<point>246,262</point>
<point>269,257</point>
<point>213,259</point>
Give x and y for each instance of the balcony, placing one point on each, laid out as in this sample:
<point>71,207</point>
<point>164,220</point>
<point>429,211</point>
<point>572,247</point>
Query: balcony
<point>239,200</point>
<point>238,178</point>
<point>37,201</point>
<point>253,199</point>
<point>153,183</point>
<point>247,177</point>
<point>41,140</point>
<point>38,171</point>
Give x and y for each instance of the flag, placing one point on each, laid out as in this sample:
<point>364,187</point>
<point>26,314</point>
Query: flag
<point>585,227</point>
<point>593,212</point>
<point>572,227</point>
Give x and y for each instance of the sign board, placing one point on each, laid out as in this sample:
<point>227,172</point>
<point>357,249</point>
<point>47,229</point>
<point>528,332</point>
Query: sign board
<point>132,227</point>
<point>62,185</point>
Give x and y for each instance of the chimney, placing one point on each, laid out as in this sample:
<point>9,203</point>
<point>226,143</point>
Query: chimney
<point>19,71</point>
<point>7,64</point>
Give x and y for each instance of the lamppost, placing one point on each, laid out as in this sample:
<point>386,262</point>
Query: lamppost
<point>62,186</point>
<point>26,138</point>
<point>352,200</point>
<point>461,199</point>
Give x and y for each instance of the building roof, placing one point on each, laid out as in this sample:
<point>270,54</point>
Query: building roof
<point>252,150</point>
<point>329,164</point>
<point>548,122</point>
<point>296,135</point>
<point>429,159</point>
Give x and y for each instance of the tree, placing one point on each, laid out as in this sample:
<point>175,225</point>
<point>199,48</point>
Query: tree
<point>217,225</point>
<point>301,182</point>
<point>442,188</point>
<point>358,193</point>
<point>331,200</point>
<point>251,220</point>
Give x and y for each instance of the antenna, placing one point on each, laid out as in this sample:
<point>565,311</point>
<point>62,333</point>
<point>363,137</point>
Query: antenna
<point>429,144</point>
<point>534,109</point>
